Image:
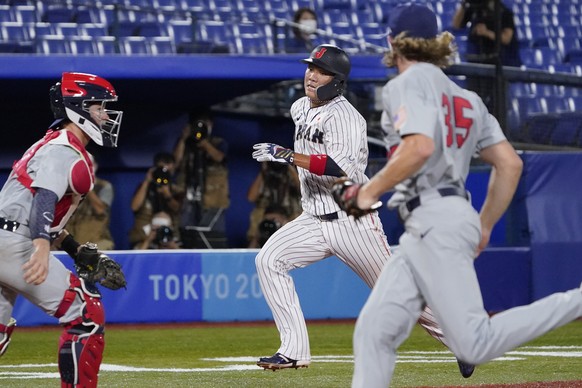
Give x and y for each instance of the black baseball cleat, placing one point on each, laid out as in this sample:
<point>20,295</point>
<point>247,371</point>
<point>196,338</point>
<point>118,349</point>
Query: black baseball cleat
<point>465,368</point>
<point>279,361</point>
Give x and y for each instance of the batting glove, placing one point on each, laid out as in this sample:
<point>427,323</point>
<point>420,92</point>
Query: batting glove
<point>269,152</point>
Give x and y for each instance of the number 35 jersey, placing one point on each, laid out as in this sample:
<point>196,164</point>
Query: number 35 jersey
<point>423,100</point>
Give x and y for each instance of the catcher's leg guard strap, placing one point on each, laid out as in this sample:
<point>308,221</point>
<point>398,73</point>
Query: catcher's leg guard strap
<point>82,342</point>
<point>6,332</point>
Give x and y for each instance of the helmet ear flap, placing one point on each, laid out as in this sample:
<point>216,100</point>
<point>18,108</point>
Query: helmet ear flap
<point>334,88</point>
<point>56,101</point>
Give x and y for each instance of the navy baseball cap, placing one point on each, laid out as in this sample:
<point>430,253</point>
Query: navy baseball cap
<point>417,20</point>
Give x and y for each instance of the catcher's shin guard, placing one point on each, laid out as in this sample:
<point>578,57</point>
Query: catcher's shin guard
<point>6,332</point>
<point>82,342</point>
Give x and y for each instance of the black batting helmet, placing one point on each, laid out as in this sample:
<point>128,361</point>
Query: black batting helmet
<point>334,60</point>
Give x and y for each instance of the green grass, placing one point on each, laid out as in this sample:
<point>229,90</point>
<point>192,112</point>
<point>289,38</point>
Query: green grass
<point>190,347</point>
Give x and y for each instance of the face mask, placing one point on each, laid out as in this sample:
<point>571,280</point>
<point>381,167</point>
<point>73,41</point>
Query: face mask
<point>308,25</point>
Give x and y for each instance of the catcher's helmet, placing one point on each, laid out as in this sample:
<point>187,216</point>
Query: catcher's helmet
<point>334,60</point>
<point>70,99</point>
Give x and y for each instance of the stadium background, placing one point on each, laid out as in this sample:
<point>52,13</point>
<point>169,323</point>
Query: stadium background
<point>169,57</point>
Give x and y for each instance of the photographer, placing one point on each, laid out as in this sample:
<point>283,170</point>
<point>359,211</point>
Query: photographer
<point>275,185</point>
<point>479,17</point>
<point>160,233</point>
<point>203,174</point>
<point>157,193</point>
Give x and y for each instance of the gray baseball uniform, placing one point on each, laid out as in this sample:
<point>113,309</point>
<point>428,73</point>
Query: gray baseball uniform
<point>434,262</point>
<point>52,167</point>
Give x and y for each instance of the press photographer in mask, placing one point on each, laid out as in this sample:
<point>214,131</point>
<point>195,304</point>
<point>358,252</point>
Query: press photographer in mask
<point>157,193</point>
<point>275,187</point>
<point>203,174</point>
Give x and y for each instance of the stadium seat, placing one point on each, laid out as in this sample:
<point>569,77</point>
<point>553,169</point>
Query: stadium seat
<point>82,45</point>
<point>93,29</point>
<point>125,28</point>
<point>106,45</point>
<point>567,44</point>
<point>254,44</point>
<point>162,45</point>
<point>539,127</point>
<point>133,45</point>
<point>87,15</point>
<point>52,44</point>
<point>566,131</point>
<point>346,5</point>
<point>333,16</point>
<point>574,57</point>
<point>152,29</point>
<point>557,104</point>
<point>68,29</point>
<point>17,32</point>
<point>58,14</point>
<point>42,29</point>
<point>182,32</point>
<point>6,14</point>
<point>26,13</point>
<point>211,30</point>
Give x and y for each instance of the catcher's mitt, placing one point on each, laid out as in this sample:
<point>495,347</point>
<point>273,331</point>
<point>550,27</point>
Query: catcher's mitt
<point>96,267</point>
<point>345,194</point>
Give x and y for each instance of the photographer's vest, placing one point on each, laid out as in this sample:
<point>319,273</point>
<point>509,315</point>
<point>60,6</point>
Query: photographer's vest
<point>86,225</point>
<point>216,194</point>
<point>81,178</point>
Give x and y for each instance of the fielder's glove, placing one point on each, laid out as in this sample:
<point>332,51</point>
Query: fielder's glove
<point>269,152</point>
<point>96,267</point>
<point>345,194</point>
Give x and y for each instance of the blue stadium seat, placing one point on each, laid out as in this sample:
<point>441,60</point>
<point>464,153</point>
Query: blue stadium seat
<point>152,29</point>
<point>133,45</point>
<point>528,105</point>
<point>574,57</point>
<point>106,45</point>
<point>43,29</point>
<point>360,17</point>
<point>333,16</point>
<point>568,43</point>
<point>539,127</point>
<point>26,13</point>
<point>558,104</point>
<point>87,15</point>
<point>566,131</point>
<point>254,44</point>
<point>58,14</point>
<point>93,29</point>
<point>53,44</point>
<point>17,32</point>
<point>211,30</point>
<point>162,45</point>
<point>82,45</point>
<point>347,5</point>
<point>6,14</point>
<point>182,32</point>
<point>68,29</point>
<point>125,28</point>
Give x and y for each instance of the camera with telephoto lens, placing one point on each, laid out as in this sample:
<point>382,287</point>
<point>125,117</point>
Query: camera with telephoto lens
<point>164,235</point>
<point>161,176</point>
<point>198,131</point>
<point>266,230</point>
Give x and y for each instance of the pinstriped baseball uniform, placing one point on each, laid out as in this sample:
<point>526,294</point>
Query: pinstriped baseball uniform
<point>434,262</point>
<point>338,130</point>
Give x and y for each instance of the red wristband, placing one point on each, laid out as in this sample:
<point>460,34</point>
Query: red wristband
<point>317,164</point>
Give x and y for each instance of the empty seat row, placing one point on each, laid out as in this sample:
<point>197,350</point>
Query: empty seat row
<point>558,129</point>
<point>58,44</point>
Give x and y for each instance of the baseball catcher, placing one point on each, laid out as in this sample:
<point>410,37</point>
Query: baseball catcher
<point>345,194</point>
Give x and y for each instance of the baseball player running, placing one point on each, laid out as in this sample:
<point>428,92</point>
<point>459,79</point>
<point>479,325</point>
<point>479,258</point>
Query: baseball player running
<point>40,195</point>
<point>330,141</point>
<point>441,126</point>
